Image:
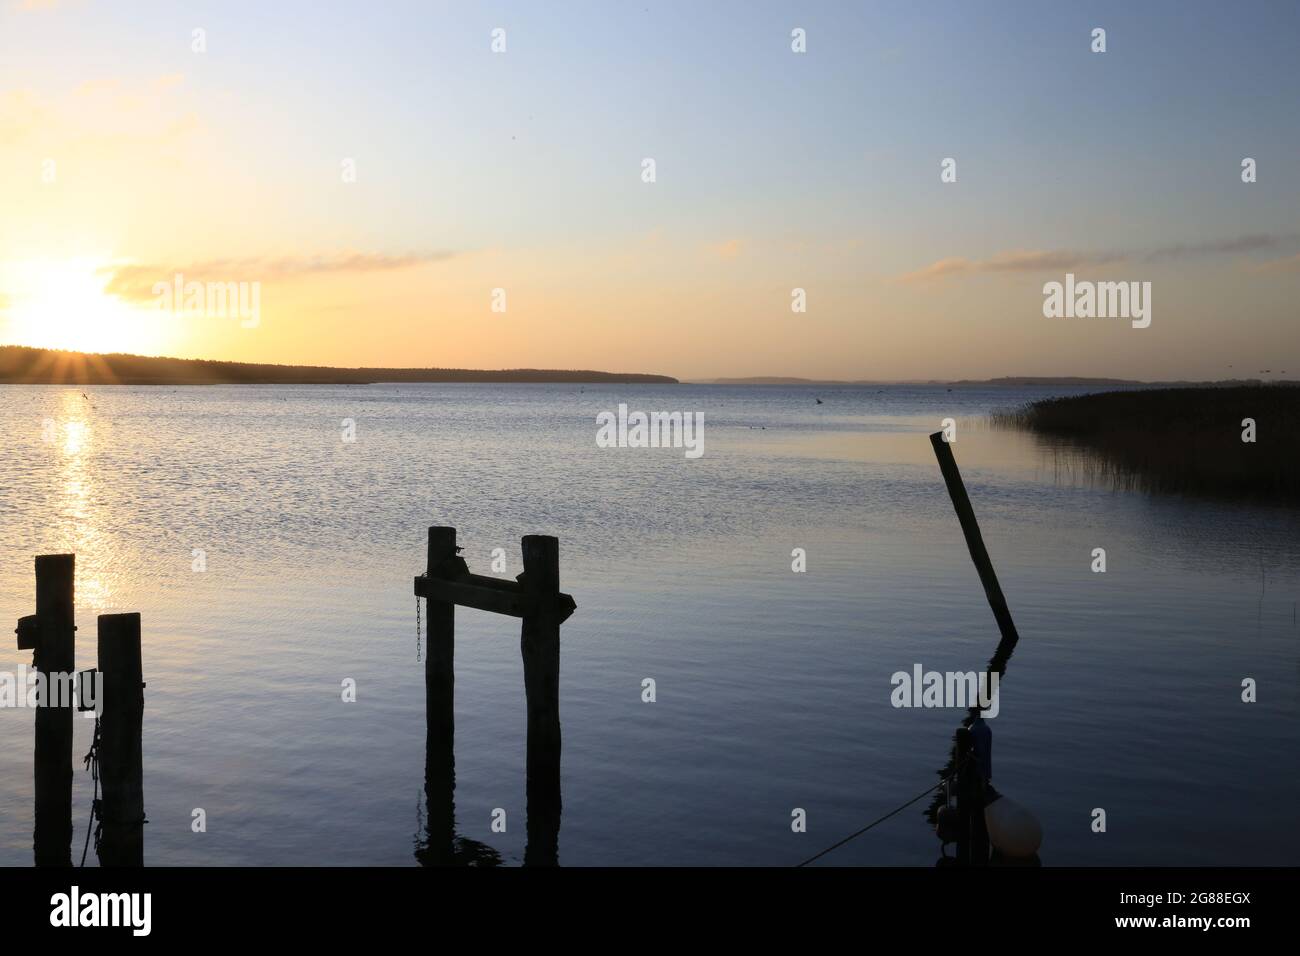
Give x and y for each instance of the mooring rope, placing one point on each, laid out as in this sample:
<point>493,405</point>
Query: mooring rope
<point>92,764</point>
<point>853,836</point>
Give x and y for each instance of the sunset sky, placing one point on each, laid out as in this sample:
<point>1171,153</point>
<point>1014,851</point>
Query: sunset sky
<point>127,157</point>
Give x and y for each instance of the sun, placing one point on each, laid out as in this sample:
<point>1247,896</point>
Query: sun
<point>61,304</point>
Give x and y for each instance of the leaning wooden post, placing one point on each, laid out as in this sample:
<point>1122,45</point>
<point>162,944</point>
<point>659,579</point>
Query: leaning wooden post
<point>121,768</point>
<point>975,543</point>
<point>439,675</point>
<point>540,646</point>
<point>54,657</point>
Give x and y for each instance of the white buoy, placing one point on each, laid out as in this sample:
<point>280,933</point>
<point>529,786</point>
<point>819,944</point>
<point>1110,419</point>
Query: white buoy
<point>1013,830</point>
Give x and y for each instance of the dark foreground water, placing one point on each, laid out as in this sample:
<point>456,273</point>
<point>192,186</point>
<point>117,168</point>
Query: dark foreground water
<point>773,688</point>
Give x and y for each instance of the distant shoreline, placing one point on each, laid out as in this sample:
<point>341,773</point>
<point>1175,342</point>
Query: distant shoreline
<point>1017,381</point>
<point>20,365</point>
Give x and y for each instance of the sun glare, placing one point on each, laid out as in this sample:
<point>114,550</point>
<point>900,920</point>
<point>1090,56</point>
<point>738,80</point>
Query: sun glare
<point>61,304</point>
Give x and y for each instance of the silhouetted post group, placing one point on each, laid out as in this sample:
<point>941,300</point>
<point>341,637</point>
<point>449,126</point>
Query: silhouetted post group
<point>536,598</point>
<point>50,634</point>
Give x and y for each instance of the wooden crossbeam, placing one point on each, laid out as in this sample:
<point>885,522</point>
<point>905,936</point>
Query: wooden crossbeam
<point>493,594</point>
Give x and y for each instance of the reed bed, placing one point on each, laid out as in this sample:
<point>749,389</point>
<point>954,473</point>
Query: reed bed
<point>1181,440</point>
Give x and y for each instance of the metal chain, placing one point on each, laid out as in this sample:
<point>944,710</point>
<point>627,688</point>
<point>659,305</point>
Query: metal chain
<point>92,764</point>
<point>417,629</point>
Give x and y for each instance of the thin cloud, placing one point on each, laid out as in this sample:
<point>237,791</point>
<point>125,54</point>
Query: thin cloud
<point>1251,243</point>
<point>1024,261</point>
<point>1020,260</point>
<point>1048,260</point>
<point>135,283</point>
<point>937,270</point>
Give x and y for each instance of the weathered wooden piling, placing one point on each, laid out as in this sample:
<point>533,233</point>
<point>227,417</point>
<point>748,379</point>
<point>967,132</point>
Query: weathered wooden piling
<point>121,768</point>
<point>540,646</point>
<point>960,763</point>
<point>51,634</point>
<point>973,848</point>
<point>439,671</point>
<point>436,843</point>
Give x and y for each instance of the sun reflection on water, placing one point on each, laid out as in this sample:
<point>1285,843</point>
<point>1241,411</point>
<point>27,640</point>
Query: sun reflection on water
<point>76,504</point>
<point>74,437</point>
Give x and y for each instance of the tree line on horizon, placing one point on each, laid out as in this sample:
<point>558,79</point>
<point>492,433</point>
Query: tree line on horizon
<point>20,364</point>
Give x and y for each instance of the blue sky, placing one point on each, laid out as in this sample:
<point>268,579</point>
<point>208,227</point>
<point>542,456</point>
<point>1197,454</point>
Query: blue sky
<point>817,170</point>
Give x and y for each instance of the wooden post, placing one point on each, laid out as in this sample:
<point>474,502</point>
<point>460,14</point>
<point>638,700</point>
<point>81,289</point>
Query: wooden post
<point>540,646</point>
<point>973,848</point>
<point>962,765</point>
<point>971,778</point>
<point>54,656</point>
<point>975,543</point>
<point>439,674</point>
<point>981,743</point>
<point>435,845</point>
<point>121,771</point>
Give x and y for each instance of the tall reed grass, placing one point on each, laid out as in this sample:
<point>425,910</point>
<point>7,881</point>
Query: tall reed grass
<point>1182,440</point>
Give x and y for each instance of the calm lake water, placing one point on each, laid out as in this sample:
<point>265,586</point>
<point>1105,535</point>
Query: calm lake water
<point>773,688</point>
